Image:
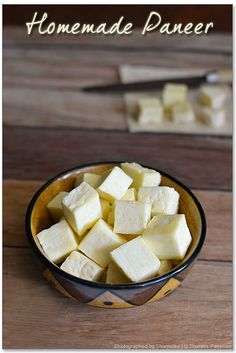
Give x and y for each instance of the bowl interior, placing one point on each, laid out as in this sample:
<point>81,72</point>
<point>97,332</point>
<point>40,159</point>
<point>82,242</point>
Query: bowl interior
<point>40,217</point>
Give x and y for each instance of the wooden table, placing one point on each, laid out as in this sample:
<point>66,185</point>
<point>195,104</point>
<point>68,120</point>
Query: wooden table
<point>50,125</point>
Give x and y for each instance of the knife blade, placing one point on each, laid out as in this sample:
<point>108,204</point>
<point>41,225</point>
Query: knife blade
<point>141,86</point>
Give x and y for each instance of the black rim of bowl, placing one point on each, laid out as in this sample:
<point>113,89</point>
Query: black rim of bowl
<point>147,283</point>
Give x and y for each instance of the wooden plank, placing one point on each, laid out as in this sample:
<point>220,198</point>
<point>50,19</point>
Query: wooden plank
<point>93,57</point>
<point>55,108</point>
<point>218,245</point>
<point>181,320</point>
<point>200,162</point>
<point>17,36</point>
<point>218,210</point>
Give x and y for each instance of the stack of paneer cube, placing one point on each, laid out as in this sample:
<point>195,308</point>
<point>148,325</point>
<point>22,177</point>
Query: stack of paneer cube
<point>176,107</point>
<point>118,227</point>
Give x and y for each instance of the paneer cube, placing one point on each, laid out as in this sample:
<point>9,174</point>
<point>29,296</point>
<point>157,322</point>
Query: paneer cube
<point>150,110</point>
<point>168,236</point>
<point>55,206</point>
<point>81,266</point>
<point>212,96</point>
<point>130,195</point>
<point>141,176</point>
<point>106,207</point>
<point>99,242</point>
<point>92,179</point>
<point>182,113</point>
<point>174,93</point>
<point>165,267</point>
<point>82,208</point>
<point>163,199</point>
<point>115,275</point>
<point>136,260</point>
<point>131,217</point>
<point>115,185</point>
<point>58,241</point>
<point>212,117</point>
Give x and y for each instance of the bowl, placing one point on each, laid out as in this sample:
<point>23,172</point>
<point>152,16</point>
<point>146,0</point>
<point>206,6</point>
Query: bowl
<point>101,294</point>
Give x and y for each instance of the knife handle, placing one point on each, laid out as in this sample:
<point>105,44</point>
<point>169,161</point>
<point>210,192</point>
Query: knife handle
<point>220,76</point>
<point>225,76</point>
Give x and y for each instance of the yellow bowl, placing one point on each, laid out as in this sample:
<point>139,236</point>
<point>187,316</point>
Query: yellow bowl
<point>101,294</point>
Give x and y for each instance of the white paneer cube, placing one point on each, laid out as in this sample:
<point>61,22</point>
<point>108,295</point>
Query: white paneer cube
<point>130,195</point>
<point>212,96</point>
<point>131,217</point>
<point>82,208</point>
<point>92,179</point>
<point>163,199</point>
<point>212,117</point>
<point>115,275</point>
<point>110,217</point>
<point>58,241</point>
<point>106,207</point>
<point>55,206</point>
<point>168,236</point>
<point>174,93</point>
<point>81,266</point>
<point>99,242</point>
<point>141,176</point>
<point>165,267</point>
<point>136,260</point>
<point>115,185</point>
<point>182,113</point>
<point>150,110</point>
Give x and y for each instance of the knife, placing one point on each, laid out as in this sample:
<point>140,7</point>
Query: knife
<point>221,76</point>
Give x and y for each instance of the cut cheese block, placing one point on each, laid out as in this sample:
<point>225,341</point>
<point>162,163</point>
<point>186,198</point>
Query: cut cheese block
<point>174,93</point>
<point>182,113</point>
<point>141,176</point>
<point>213,96</point>
<point>92,179</point>
<point>80,266</point>
<point>168,236</point>
<point>82,208</point>
<point>131,217</point>
<point>130,195</point>
<point>55,206</point>
<point>165,267</point>
<point>99,242</point>
<point>58,241</point>
<point>136,260</point>
<point>106,207</point>
<point>212,117</point>
<point>150,110</point>
<point>115,275</point>
<point>163,199</point>
<point>115,185</point>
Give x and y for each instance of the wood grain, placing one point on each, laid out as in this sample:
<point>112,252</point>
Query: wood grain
<point>17,36</point>
<point>56,322</point>
<point>55,108</point>
<point>42,153</point>
<point>218,246</point>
